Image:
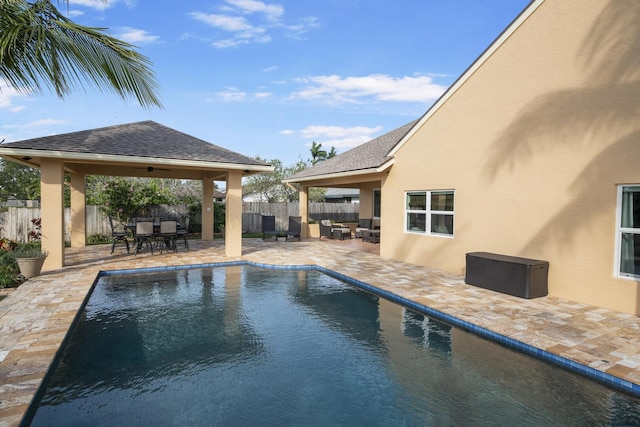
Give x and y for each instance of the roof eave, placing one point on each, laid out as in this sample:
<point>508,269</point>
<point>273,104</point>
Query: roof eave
<point>344,174</point>
<point>110,158</point>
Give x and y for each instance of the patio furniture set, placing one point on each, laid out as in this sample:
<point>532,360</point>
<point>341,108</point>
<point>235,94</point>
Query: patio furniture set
<point>364,230</point>
<point>151,233</point>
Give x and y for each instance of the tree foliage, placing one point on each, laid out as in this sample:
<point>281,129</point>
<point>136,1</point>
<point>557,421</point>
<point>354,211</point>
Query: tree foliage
<point>318,154</point>
<point>18,181</point>
<point>268,187</point>
<point>41,47</point>
<point>126,198</point>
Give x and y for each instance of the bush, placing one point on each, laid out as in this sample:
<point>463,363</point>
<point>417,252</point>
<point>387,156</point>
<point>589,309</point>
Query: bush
<point>9,272</point>
<point>97,239</point>
<point>7,245</point>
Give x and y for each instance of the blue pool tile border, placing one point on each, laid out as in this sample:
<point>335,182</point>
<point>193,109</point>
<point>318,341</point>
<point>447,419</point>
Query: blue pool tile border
<point>563,362</point>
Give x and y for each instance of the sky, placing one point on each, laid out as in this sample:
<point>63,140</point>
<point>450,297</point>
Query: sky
<point>268,78</point>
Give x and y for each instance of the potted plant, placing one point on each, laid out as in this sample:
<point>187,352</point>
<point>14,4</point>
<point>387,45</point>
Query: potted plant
<point>30,258</point>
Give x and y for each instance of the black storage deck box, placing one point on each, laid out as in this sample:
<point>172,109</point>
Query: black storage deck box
<point>521,277</point>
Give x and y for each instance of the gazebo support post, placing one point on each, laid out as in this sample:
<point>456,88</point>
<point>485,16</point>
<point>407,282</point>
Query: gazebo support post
<point>303,196</point>
<point>207,208</point>
<point>52,211</point>
<point>233,214</point>
<point>78,218</point>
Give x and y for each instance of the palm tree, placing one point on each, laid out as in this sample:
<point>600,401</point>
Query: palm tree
<point>317,154</point>
<point>39,46</point>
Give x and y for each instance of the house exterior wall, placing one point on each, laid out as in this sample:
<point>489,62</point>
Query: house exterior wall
<point>534,144</point>
<point>366,199</point>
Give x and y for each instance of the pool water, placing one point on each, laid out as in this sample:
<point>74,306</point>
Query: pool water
<point>241,345</point>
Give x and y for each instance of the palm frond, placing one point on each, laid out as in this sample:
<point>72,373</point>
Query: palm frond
<point>39,47</point>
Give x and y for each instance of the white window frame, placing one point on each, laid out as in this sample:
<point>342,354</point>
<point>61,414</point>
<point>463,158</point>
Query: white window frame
<point>428,212</point>
<point>620,230</point>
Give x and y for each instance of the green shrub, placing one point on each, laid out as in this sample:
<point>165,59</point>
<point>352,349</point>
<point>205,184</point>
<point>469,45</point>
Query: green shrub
<point>125,199</point>
<point>8,270</point>
<point>98,239</point>
<point>28,250</point>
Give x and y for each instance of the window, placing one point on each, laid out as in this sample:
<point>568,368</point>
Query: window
<point>628,235</point>
<point>376,203</point>
<point>429,212</point>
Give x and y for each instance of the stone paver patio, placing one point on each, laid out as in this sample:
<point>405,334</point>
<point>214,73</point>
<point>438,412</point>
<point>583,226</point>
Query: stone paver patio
<point>36,316</point>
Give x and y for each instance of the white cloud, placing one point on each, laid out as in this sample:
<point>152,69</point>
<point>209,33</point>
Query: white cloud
<point>7,95</point>
<point>135,36</point>
<point>224,22</point>
<point>232,95</point>
<point>338,136</point>
<point>36,123</point>
<point>249,21</point>
<point>335,89</point>
<point>224,44</point>
<point>46,122</point>
<point>306,24</point>
<point>93,4</point>
<point>101,4</point>
<point>243,31</point>
<point>271,11</point>
<point>287,132</point>
<point>270,69</point>
<point>28,130</point>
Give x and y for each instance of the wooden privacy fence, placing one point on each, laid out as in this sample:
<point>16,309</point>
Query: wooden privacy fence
<point>15,222</point>
<point>252,213</point>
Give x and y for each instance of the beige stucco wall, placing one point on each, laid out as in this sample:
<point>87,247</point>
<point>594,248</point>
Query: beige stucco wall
<point>534,144</point>
<point>366,199</point>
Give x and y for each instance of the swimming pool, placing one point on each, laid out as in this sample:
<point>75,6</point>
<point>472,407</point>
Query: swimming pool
<point>241,345</point>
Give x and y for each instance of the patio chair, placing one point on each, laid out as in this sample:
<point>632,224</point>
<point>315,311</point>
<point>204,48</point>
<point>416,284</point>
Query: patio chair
<point>144,234</point>
<point>118,234</point>
<point>183,232</point>
<point>372,236</point>
<point>363,224</point>
<point>168,234</point>
<point>269,227</point>
<point>295,228</point>
<point>326,228</point>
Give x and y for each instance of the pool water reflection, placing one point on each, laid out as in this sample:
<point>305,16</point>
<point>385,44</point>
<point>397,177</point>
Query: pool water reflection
<point>241,345</point>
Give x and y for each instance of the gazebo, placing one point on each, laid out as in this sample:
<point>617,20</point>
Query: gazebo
<point>141,149</point>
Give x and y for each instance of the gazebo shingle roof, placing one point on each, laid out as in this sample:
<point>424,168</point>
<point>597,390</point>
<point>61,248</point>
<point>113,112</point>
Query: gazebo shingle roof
<point>140,139</point>
<point>367,156</point>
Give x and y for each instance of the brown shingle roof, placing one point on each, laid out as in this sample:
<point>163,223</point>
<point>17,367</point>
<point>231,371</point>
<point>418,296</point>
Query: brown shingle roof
<point>367,156</point>
<point>140,139</point>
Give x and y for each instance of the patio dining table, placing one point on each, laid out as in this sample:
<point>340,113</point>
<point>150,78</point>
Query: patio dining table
<point>156,235</point>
